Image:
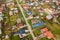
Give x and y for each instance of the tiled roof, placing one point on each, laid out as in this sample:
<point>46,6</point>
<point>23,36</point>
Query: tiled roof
<point>48,34</point>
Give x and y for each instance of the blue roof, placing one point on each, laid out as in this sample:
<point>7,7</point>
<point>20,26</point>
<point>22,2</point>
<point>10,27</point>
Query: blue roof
<point>28,12</point>
<point>38,24</point>
<point>22,31</point>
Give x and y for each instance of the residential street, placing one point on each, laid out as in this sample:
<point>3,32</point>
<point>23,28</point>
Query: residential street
<point>26,20</point>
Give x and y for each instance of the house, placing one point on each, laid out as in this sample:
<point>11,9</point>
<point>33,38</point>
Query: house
<point>55,15</point>
<point>15,10</point>
<point>37,23</point>
<point>44,30</point>
<point>3,5</point>
<point>47,33</point>
<point>13,27</point>
<point>19,25</point>
<point>25,6</point>
<point>22,32</point>
<point>34,21</point>
<point>29,13</point>
<point>10,13</point>
<point>30,16</point>
<point>49,16</point>
<point>18,20</point>
<point>1,10</point>
<point>36,4</point>
<point>12,3</point>
<point>57,2</point>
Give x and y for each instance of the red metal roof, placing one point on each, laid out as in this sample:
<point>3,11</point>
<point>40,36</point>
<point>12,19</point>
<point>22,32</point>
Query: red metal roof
<point>48,34</point>
<point>44,29</point>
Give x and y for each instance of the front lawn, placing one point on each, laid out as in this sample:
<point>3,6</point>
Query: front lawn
<point>15,37</point>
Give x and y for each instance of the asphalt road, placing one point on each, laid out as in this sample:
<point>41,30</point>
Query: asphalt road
<point>29,27</point>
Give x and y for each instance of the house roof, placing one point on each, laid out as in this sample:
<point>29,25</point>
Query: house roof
<point>44,29</point>
<point>1,10</point>
<point>25,6</point>
<point>3,5</point>
<point>48,34</point>
<point>22,31</point>
<point>37,23</point>
<point>10,13</point>
<point>18,20</point>
<point>48,16</point>
<point>19,25</point>
<point>56,15</point>
<point>28,12</point>
<point>34,21</point>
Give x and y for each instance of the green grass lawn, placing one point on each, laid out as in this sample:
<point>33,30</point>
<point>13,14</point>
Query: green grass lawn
<point>25,13</point>
<point>29,37</point>
<point>15,37</point>
<point>45,39</point>
<point>37,32</point>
